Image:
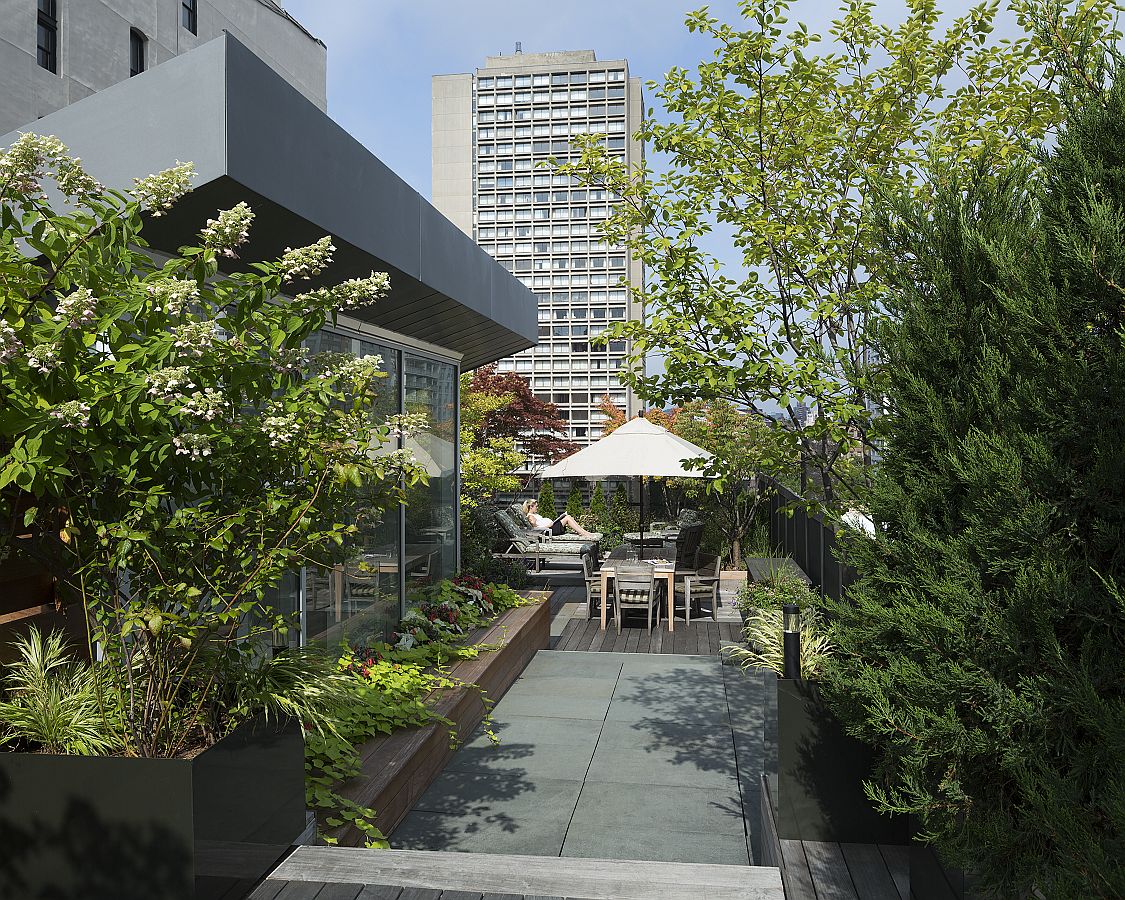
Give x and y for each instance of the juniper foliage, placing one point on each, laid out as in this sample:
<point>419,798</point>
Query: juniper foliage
<point>981,652</point>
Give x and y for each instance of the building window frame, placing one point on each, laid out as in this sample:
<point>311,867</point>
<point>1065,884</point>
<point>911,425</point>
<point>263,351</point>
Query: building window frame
<point>189,15</point>
<point>47,35</point>
<point>138,51</point>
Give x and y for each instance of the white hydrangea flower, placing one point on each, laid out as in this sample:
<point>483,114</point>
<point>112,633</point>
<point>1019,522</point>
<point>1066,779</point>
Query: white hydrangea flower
<point>288,360</point>
<point>74,414</point>
<point>73,180</point>
<point>10,344</point>
<point>159,192</point>
<point>345,367</point>
<point>351,294</point>
<point>25,164</point>
<point>44,358</point>
<point>173,295</point>
<point>194,338</point>
<point>197,446</point>
<point>405,424</point>
<point>170,383</point>
<point>305,262</point>
<point>77,308</point>
<point>231,229</point>
<point>206,405</point>
<point>281,430</point>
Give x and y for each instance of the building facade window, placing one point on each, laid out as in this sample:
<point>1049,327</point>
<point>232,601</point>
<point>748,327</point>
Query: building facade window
<point>137,48</point>
<point>189,15</point>
<point>47,39</point>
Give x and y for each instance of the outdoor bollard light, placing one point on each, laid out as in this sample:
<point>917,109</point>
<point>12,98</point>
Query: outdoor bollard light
<point>791,622</point>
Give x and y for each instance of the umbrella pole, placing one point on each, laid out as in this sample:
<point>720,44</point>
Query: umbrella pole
<point>641,554</point>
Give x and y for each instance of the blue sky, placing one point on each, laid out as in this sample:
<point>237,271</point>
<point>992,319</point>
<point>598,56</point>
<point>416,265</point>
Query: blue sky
<point>382,53</point>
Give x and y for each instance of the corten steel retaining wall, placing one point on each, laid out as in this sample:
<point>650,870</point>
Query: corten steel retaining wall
<point>808,539</point>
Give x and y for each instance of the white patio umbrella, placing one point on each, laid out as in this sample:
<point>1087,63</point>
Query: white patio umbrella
<point>638,449</point>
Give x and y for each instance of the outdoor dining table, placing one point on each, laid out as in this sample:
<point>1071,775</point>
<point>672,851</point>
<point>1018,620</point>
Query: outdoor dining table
<point>665,570</point>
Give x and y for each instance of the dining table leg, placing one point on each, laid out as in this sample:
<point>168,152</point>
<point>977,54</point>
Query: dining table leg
<point>671,580</point>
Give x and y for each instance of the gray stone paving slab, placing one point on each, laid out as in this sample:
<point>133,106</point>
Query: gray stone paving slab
<point>553,705</point>
<point>659,844</point>
<point>525,836</point>
<point>534,731</point>
<point>624,806</point>
<point>663,767</point>
<point>500,797</point>
<point>562,686</point>
<point>554,761</point>
<point>627,756</point>
<point>640,710</point>
<point>589,665</point>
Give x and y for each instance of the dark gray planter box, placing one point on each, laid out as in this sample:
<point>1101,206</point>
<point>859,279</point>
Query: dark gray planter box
<point>109,827</point>
<point>821,771</point>
<point>931,879</point>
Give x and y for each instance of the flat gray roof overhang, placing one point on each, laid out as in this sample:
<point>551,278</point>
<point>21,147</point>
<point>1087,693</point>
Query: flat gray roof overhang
<point>253,137</point>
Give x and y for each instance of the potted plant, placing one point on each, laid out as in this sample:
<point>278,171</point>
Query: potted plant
<point>168,450</point>
<point>821,770</point>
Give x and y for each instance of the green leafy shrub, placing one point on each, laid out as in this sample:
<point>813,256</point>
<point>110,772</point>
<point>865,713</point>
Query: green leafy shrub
<point>152,417</point>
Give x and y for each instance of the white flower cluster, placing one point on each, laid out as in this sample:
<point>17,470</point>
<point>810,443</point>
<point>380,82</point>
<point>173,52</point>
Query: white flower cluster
<point>207,404</point>
<point>350,294</point>
<point>405,424</point>
<point>196,446</point>
<point>24,165</point>
<point>231,229</point>
<point>345,367</point>
<point>170,383</point>
<point>74,414</point>
<point>281,430</point>
<point>194,338</point>
<point>77,308</point>
<point>289,359</point>
<point>158,192</point>
<point>173,295</point>
<point>305,262</point>
<point>10,344</point>
<point>44,358</point>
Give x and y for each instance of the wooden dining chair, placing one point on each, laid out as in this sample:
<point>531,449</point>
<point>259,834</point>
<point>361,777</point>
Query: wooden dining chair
<point>634,587</point>
<point>701,586</point>
<point>593,580</point>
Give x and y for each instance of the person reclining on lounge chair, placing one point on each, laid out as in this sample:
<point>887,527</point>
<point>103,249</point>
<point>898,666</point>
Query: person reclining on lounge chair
<point>556,526</point>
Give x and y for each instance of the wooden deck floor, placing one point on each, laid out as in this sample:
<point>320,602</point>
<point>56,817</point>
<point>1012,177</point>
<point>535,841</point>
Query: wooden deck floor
<point>813,870</point>
<point>703,636</point>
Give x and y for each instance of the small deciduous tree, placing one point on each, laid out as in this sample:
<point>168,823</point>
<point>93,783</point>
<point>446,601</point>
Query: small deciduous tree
<point>534,426</point>
<point>783,146</point>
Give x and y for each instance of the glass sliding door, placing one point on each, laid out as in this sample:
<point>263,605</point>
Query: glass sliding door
<point>357,601</point>
<point>430,550</point>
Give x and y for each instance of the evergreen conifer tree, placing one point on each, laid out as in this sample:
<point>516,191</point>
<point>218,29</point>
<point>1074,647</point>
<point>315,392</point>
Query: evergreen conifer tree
<point>621,511</point>
<point>574,504</point>
<point>982,651</point>
<point>547,499</point>
<point>599,509</point>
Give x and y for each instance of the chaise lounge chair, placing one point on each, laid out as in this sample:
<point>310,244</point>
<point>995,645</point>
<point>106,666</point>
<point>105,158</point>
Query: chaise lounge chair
<point>537,548</point>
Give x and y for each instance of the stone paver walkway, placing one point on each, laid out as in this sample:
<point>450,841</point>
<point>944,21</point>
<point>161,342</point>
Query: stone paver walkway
<point>610,755</point>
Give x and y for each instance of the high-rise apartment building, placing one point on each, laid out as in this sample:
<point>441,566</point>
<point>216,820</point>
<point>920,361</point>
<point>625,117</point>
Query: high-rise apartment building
<point>493,132</point>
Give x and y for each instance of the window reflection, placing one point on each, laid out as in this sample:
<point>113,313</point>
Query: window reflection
<point>357,601</point>
<point>431,509</point>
